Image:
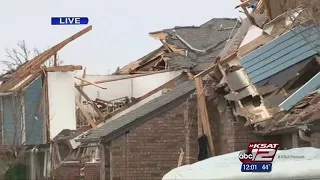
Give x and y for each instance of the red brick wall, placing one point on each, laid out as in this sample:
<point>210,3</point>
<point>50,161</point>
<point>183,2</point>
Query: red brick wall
<point>68,171</point>
<point>151,150</point>
<point>229,133</point>
<point>91,171</point>
<point>315,139</point>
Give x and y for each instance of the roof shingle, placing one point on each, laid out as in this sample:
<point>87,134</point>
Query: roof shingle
<point>140,113</point>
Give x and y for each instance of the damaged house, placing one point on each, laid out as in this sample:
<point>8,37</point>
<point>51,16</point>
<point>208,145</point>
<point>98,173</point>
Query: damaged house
<point>274,85</point>
<point>208,90</point>
<point>33,107</point>
<point>256,90</point>
<point>146,142</point>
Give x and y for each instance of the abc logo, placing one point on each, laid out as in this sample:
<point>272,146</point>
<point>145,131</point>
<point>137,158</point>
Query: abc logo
<point>245,156</point>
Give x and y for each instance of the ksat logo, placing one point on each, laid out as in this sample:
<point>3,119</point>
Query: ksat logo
<point>259,152</point>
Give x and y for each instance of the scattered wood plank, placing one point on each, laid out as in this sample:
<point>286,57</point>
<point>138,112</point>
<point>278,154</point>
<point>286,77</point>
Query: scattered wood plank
<point>86,115</point>
<point>202,108</point>
<point>92,83</point>
<point>89,100</point>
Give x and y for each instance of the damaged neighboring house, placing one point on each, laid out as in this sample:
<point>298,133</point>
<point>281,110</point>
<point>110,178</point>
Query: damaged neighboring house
<point>270,73</point>
<point>252,92</point>
<point>208,90</point>
<point>238,82</point>
<point>34,108</point>
<point>145,140</point>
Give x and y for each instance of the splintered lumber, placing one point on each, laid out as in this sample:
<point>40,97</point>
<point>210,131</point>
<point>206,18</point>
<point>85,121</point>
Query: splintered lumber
<point>206,71</point>
<point>112,105</point>
<point>92,83</point>
<point>180,158</point>
<point>86,115</point>
<point>245,3</point>
<point>89,100</point>
<point>59,68</point>
<point>34,64</point>
<point>63,68</point>
<point>202,108</point>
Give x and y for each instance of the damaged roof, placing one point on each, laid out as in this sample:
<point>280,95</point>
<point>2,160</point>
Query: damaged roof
<point>234,43</point>
<point>305,112</point>
<point>115,128</point>
<point>31,69</point>
<point>202,44</point>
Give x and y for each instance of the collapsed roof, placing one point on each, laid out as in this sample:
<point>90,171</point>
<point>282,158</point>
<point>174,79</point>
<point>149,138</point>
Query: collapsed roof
<point>196,47</point>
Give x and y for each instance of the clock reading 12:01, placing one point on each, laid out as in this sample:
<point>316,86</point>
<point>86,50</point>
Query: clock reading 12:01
<point>256,167</point>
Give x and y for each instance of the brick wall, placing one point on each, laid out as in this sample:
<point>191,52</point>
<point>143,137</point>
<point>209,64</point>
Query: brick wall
<point>229,132</point>
<point>315,139</point>
<point>151,150</point>
<point>91,171</point>
<point>68,171</point>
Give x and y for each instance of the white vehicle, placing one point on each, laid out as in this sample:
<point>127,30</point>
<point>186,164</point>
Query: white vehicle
<point>296,163</point>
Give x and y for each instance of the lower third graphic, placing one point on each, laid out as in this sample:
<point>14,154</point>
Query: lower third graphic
<point>258,157</point>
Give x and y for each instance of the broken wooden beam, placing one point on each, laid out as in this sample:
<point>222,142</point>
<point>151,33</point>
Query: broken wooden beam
<point>206,71</point>
<point>83,77</point>
<point>63,68</point>
<point>204,117</point>
<point>86,115</point>
<point>88,99</point>
<point>245,3</point>
<point>59,69</point>
<point>34,64</point>
<point>91,83</point>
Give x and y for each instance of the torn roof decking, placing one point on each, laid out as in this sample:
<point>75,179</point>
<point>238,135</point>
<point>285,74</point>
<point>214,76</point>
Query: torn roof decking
<point>142,61</point>
<point>115,128</point>
<point>303,113</point>
<point>275,8</point>
<point>32,68</point>
<point>209,38</point>
<point>281,53</point>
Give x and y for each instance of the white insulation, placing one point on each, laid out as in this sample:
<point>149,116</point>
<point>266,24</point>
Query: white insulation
<point>228,166</point>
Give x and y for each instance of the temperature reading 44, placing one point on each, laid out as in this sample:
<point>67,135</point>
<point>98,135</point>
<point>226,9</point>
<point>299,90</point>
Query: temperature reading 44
<point>256,167</point>
<point>266,167</point>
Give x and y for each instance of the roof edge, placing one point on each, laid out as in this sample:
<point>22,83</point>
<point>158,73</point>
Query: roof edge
<point>138,122</point>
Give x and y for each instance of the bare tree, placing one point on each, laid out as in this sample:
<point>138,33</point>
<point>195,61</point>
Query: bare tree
<point>18,56</point>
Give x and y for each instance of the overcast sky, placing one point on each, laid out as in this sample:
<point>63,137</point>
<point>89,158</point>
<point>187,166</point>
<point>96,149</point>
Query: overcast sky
<point>120,27</point>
